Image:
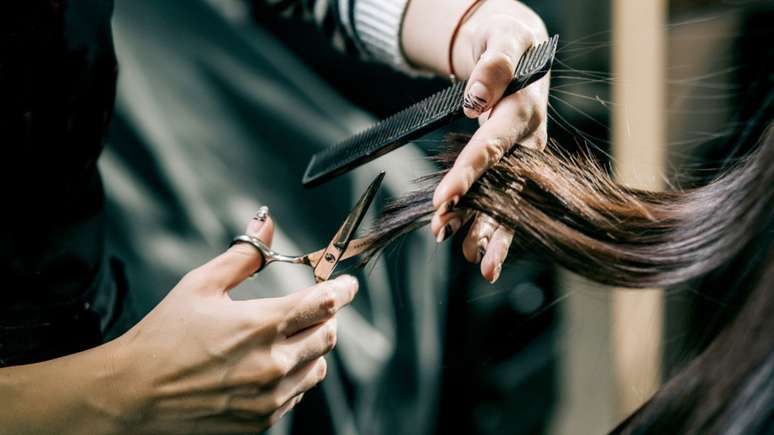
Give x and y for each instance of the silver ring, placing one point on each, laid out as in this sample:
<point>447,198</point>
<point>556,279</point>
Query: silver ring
<point>255,243</point>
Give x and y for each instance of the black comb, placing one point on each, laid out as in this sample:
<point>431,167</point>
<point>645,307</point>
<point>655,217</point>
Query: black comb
<point>417,120</point>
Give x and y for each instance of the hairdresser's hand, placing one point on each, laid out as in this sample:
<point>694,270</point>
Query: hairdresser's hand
<point>490,41</point>
<point>202,363</point>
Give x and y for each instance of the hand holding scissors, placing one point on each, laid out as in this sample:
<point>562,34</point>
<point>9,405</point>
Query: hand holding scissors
<point>341,247</point>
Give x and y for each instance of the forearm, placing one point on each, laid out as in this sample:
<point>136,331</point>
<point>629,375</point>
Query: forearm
<point>428,26</point>
<point>75,394</point>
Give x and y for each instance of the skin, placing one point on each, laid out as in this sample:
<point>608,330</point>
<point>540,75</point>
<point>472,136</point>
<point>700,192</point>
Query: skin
<point>198,363</point>
<point>202,363</point>
<point>486,50</point>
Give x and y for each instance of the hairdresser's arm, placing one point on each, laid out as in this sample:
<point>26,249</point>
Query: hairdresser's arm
<point>199,363</point>
<point>486,50</point>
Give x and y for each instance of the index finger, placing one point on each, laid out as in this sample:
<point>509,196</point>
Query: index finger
<point>512,119</point>
<point>317,304</point>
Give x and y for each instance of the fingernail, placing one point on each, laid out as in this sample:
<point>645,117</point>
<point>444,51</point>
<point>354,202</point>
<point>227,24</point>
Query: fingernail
<point>262,214</point>
<point>482,244</point>
<point>449,229</point>
<point>258,220</point>
<point>441,235</point>
<point>449,205</point>
<point>497,272</point>
<point>477,98</point>
<point>350,281</point>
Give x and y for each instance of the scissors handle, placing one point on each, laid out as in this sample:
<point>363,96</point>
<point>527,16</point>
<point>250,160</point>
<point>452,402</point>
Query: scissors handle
<point>269,256</point>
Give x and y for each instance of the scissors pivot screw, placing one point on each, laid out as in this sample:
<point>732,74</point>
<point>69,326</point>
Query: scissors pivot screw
<point>337,249</point>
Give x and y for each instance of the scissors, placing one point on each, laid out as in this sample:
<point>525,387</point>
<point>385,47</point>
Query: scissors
<point>342,247</point>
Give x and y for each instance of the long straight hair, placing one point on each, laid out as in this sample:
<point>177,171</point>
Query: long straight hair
<point>567,209</point>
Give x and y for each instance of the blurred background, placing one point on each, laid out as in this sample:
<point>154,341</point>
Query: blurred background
<point>221,103</point>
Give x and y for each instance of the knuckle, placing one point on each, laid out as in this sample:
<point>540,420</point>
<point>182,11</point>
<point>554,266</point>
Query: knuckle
<point>500,65</point>
<point>330,335</point>
<point>523,114</point>
<point>266,404</point>
<point>279,366</point>
<point>276,400</point>
<point>322,369</point>
<point>493,151</point>
<point>470,249</point>
<point>328,301</point>
<point>281,327</point>
<point>538,118</point>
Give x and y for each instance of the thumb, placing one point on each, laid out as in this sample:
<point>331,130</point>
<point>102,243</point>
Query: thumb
<point>507,40</point>
<point>232,267</point>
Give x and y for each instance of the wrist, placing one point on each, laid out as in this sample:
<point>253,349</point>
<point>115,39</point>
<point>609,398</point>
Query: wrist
<point>109,397</point>
<point>117,392</point>
<point>65,395</point>
<point>427,31</point>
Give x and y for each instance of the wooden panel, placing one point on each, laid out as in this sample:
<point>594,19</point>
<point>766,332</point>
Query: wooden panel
<point>639,54</point>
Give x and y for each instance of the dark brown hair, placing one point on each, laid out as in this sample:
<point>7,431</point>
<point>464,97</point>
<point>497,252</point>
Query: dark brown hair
<point>567,209</point>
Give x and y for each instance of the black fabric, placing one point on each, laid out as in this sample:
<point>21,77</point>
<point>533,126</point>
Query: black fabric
<point>57,88</point>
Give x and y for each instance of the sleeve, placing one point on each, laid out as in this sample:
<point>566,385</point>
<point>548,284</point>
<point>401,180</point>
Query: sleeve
<point>368,28</point>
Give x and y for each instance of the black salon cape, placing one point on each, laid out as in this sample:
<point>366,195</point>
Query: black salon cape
<point>57,84</point>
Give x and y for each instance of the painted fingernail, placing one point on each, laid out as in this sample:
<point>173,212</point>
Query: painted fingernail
<point>260,217</point>
<point>497,272</point>
<point>262,214</point>
<point>449,229</point>
<point>482,244</point>
<point>441,235</point>
<point>477,98</point>
<point>449,205</point>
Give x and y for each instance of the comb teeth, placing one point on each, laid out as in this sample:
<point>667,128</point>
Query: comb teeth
<point>537,57</point>
<point>418,119</point>
<point>390,133</point>
<point>535,63</point>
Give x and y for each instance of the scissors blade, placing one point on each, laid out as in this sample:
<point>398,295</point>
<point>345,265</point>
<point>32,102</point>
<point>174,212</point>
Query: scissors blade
<point>356,247</point>
<point>336,249</point>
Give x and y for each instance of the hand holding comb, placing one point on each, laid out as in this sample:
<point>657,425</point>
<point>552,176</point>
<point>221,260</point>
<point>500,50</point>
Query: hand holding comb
<point>418,119</point>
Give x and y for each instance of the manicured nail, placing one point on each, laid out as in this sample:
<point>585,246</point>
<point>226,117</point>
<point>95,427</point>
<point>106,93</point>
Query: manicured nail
<point>255,225</point>
<point>477,98</point>
<point>262,214</point>
<point>482,244</point>
<point>449,205</point>
<point>441,235</point>
<point>449,229</point>
<point>497,272</point>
